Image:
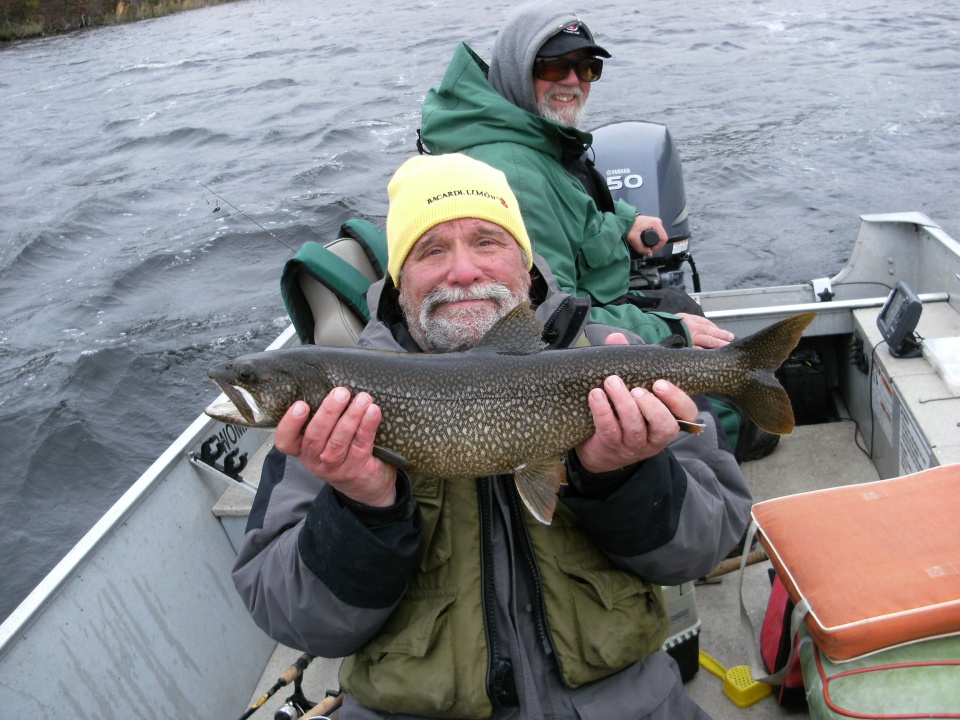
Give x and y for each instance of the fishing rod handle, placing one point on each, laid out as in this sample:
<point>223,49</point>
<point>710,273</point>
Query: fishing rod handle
<point>731,564</point>
<point>649,238</point>
<point>327,705</point>
<point>295,670</point>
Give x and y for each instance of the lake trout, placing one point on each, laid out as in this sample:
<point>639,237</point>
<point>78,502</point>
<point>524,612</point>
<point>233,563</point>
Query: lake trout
<point>504,406</point>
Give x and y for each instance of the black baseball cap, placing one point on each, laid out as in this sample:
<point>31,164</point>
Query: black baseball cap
<point>573,37</point>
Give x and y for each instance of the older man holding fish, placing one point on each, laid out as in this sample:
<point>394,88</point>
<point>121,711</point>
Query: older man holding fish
<point>445,596</point>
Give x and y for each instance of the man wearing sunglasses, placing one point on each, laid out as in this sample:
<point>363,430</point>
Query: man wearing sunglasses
<point>562,83</point>
<point>521,114</point>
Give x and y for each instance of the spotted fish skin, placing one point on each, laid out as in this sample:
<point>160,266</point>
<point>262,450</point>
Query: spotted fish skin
<point>505,403</point>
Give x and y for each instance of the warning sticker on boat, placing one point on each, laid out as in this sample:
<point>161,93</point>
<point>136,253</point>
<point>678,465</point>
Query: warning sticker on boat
<point>883,406</point>
<point>914,451</point>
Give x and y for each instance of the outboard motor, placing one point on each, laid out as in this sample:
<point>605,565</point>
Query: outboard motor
<point>642,167</point>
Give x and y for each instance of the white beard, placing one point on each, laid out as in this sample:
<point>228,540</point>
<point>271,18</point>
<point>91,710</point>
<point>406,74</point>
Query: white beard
<point>568,116</point>
<point>461,329</point>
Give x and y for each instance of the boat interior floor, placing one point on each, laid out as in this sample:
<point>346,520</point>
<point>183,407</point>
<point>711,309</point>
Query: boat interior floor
<point>812,457</point>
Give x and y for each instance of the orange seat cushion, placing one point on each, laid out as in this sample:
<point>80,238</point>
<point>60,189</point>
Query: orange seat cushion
<point>879,563</point>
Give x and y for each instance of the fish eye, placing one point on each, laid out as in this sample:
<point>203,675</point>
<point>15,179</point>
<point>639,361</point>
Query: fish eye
<point>247,374</point>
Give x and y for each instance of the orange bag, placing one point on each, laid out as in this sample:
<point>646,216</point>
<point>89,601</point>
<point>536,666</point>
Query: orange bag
<point>874,565</point>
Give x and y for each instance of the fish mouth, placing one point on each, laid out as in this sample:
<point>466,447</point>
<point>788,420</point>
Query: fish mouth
<point>238,408</point>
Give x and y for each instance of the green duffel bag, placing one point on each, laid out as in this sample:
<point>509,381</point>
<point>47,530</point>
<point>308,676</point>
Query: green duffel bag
<point>918,680</point>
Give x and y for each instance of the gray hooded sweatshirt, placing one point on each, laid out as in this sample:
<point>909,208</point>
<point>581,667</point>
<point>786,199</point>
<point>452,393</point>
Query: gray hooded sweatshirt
<point>525,30</point>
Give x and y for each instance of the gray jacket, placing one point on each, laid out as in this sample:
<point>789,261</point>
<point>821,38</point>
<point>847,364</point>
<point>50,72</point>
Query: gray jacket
<point>321,574</point>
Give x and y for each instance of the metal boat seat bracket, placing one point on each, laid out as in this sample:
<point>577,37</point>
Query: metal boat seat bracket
<point>233,462</point>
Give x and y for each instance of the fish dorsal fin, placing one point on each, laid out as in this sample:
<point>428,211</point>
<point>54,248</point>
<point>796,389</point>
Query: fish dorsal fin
<point>516,333</point>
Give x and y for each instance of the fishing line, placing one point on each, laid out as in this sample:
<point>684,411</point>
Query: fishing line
<point>224,200</point>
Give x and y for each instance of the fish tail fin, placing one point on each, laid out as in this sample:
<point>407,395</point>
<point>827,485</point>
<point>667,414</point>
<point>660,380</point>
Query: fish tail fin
<point>762,397</point>
<point>538,484</point>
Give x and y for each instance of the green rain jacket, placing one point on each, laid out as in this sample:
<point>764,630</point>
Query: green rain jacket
<point>585,248</point>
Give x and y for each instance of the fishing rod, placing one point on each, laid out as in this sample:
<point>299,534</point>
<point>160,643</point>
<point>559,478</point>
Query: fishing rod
<point>299,708</point>
<point>291,674</point>
<point>224,200</point>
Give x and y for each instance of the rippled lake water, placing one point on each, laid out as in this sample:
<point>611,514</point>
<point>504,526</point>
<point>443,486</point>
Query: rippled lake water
<point>120,283</point>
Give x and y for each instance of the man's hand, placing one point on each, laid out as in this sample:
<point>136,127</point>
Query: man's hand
<point>646,222</point>
<point>703,333</point>
<point>632,425</point>
<point>337,446</point>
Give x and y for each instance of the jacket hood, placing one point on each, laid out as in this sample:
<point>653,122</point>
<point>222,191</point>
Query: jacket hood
<point>466,99</point>
<point>524,31</point>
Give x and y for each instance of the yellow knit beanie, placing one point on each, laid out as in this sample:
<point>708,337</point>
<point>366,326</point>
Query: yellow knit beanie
<point>430,189</point>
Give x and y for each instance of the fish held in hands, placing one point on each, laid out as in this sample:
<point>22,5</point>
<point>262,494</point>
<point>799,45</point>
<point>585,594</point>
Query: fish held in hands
<point>506,405</point>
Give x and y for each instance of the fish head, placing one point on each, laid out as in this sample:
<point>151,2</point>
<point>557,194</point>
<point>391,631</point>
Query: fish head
<point>259,389</point>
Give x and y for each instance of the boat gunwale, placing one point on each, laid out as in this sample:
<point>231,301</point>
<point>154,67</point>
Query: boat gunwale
<point>36,603</point>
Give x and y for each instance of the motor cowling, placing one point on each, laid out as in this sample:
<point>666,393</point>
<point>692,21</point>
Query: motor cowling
<point>641,166</point>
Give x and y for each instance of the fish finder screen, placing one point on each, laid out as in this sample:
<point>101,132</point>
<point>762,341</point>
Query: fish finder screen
<point>898,319</point>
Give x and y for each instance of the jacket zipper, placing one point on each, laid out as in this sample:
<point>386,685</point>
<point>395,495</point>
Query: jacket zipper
<point>550,333</point>
<point>526,548</point>
<point>572,325</point>
<point>501,686</point>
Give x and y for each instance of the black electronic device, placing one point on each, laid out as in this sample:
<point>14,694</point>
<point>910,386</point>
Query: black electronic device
<point>898,319</point>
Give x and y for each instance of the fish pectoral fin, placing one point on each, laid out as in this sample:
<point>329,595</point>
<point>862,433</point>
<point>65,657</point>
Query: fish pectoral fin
<point>392,458</point>
<point>694,428</point>
<point>538,484</point>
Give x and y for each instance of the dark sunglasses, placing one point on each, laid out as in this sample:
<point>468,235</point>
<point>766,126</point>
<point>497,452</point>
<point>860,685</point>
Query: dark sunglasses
<point>555,69</point>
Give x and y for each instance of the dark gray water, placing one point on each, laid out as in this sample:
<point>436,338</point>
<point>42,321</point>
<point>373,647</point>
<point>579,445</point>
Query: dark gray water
<point>119,285</point>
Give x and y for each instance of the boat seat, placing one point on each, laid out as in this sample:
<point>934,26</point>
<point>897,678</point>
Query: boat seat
<point>337,323</point>
<point>325,288</point>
